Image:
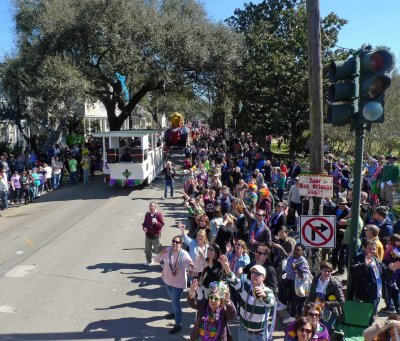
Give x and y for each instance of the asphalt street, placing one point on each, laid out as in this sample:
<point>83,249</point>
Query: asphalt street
<point>71,266</point>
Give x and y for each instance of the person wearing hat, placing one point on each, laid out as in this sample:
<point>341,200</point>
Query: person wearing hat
<point>213,313</point>
<point>255,301</point>
<point>262,257</point>
<point>341,211</point>
<point>265,200</point>
<point>384,223</point>
<point>250,197</point>
<point>388,179</point>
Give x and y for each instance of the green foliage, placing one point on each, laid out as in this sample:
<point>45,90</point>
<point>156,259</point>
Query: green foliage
<point>185,102</point>
<point>159,45</point>
<point>383,137</point>
<point>272,84</point>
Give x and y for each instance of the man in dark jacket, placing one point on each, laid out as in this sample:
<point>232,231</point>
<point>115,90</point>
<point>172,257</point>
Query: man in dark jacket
<point>327,289</point>
<point>170,173</point>
<point>152,226</point>
<point>294,171</point>
<point>369,275</point>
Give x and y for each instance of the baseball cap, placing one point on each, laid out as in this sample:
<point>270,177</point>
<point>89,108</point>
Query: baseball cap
<point>259,268</point>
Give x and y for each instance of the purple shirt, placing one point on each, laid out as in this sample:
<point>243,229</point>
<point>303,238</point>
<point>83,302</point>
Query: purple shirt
<point>15,181</point>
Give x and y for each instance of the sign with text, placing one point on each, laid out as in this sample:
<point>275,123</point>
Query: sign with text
<point>315,186</point>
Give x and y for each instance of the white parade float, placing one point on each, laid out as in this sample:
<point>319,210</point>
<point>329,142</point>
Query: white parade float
<point>131,157</point>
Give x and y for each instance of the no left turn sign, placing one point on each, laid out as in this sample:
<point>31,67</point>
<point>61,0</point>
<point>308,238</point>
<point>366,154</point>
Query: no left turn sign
<point>318,231</point>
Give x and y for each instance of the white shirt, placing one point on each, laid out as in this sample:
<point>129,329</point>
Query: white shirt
<point>48,172</point>
<point>3,184</point>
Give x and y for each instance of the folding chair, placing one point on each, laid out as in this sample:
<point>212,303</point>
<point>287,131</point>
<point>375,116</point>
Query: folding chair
<point>357,317</point>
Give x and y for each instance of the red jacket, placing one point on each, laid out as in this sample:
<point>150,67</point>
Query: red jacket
<point>154,223</point>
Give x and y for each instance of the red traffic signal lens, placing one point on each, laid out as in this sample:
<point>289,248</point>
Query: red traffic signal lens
<point>377,62</point>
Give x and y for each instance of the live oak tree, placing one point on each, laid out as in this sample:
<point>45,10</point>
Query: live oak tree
<point>158,45</point>
<point>272,84</point>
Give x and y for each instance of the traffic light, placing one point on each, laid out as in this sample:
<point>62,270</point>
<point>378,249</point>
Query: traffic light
<point>374,81</point>
<point>343,93</point>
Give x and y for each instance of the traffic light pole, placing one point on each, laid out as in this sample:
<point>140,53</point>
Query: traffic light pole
<point>357,97</point>
<point>359,132</point>
<point>355,207</point>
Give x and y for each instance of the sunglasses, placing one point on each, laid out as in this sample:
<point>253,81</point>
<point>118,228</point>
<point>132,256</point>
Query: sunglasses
<point>308,331</point>
<point>210,249</point>
<point>214,298</point>
<point>326,270</point>
<point>256,273</point>
<point>176,242</point>
<point>313,314</point>
<point>260,253</point>
<point>238,244</point>
<point>260,215</point>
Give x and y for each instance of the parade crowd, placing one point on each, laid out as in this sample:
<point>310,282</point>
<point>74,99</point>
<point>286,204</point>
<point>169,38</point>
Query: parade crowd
<point>25,177</point>
<point>239,255</point>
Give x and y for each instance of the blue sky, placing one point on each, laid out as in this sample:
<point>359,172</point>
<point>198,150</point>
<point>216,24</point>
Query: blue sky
<point>370,21</point>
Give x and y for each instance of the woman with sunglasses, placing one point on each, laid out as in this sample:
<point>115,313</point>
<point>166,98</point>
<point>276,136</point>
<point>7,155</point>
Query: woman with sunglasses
<point>326,291</point>
<point>303,330</point>
<point>312,311</point>
<point>176,262</point>
<point>212,316</point>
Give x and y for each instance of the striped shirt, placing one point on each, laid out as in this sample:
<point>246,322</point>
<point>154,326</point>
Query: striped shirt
<point>253,312</point>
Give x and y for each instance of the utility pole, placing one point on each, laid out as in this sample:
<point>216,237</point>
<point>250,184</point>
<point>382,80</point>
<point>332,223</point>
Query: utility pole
<point>315,92</point>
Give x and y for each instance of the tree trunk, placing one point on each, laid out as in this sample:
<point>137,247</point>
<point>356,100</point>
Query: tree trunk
<point>315,86</point>
<point>111,101</point>
<point>315,93</point>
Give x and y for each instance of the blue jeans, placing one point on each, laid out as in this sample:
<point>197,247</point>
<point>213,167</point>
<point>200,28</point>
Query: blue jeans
<point>85,175</point>
<point>245,336</point>
<point>35,191</point>
<point>56,180</point>
<point>170,184</point>
<point>4,199</point>
<point>175,295</point>
<point>72,177</point>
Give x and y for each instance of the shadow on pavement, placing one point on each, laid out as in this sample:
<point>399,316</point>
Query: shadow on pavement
<point>135,328</point>
<point>108,267</point>
<point>154,304</point>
